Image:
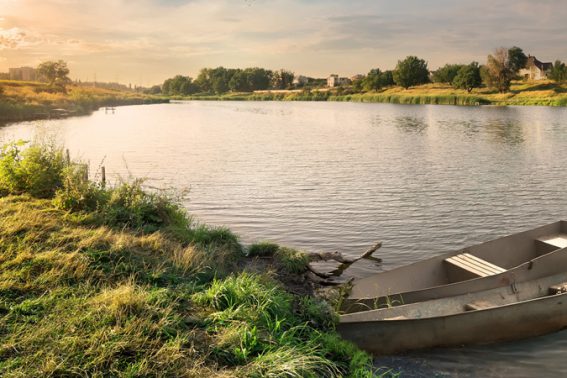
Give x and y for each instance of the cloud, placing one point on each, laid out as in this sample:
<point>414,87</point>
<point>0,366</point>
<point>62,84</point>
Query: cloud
<point>154,39</point>
<point>16,38</point>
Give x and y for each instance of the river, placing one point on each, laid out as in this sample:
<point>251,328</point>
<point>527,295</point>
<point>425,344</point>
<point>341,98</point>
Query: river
<point>340,176</point>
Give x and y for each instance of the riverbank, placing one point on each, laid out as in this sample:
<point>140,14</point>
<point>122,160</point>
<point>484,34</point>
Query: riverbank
<point>541,93</point>
<point>119,281</point>
<point>24,101</point>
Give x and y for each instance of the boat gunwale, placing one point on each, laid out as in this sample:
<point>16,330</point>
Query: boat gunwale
<point>441,257</point>
<point>511,271</point>
<point>464,313</point>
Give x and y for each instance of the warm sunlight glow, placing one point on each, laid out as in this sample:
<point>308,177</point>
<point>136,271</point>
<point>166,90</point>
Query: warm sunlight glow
<point>146,41</point>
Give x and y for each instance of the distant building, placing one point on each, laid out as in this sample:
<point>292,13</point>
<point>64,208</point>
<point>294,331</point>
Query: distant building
<point>300,80</point>
<point>535,70</point>
<point>336,81</point>
<point>23,73</point>
<point>357,77</point>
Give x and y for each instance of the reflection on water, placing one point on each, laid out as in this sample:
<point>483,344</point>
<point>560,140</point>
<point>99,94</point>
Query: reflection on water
<point>339,176</point>
<point>410,124</point>
<point>505,131</point>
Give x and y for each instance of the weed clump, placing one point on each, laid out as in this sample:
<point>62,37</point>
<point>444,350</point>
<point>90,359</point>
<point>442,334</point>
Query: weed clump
<point>263,249</point>
<point>37,170</point>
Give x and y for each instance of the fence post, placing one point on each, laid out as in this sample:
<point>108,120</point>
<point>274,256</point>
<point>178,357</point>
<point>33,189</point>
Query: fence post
<point>103,174</point>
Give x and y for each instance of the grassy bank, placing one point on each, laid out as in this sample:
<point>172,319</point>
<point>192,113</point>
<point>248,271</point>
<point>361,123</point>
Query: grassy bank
<point>544,93</point>
<point>21,101</point>
<point>116,281</point>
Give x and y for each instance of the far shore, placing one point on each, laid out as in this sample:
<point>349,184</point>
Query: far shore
<point>539,93</point>
<point>25,101</point>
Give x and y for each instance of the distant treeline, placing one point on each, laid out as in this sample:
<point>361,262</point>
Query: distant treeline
<point>501,67</point>
<point>222,80</point>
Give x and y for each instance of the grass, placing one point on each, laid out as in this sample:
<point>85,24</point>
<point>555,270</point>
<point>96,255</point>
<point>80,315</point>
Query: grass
<point>21,100</point>
<point>289,260</point>
<point>544,93</point>
<point>115,281</point>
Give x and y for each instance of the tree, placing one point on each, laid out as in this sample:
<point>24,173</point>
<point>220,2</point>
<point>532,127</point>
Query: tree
<point>358,84</point>
<point>54,72</point>
<point>517,59</point>
<point>468,77</point>
<point>179,85</point>
<point>411,71</point>
<point>155,89</point>
<point>447,73</point>
<point>258,78</point>
<point>558,72</point>
<point>499,70</point>
<point>376,80</point>
<point>387,78</point>
<point>372,81</point>
<point>282,79</point>
<point>239,82</point>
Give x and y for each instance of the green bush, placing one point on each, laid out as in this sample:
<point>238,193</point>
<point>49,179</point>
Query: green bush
<point>37,170</point>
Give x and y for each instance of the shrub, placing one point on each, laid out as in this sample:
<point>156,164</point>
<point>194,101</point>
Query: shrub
<point>37,170</point>
<point>78,193</point>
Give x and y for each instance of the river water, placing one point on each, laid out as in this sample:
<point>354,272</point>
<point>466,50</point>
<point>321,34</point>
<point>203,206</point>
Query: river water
<point>340,176</point>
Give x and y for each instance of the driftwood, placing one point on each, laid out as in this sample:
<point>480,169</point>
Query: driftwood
<point>331,277</point>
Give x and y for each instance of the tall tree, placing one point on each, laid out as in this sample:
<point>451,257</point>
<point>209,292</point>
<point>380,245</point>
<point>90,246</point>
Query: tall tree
<point>411,71</point>
<point>499,70</point>
<point>54,72</point>
<point>372,81</point>
<point>239,82</point>
<point>282,79</point>
<point>517,59</point>
<point>468,77</point>
<point>558,72</point>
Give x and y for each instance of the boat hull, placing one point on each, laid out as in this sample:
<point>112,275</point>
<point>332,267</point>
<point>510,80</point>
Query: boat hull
<point>511,322</point>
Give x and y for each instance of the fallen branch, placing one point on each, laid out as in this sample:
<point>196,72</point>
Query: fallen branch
<point>345,262</point>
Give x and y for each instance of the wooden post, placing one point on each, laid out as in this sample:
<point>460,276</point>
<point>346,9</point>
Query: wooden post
<point>103,174</point>
<point>67,157</point>
<point>86,172</point>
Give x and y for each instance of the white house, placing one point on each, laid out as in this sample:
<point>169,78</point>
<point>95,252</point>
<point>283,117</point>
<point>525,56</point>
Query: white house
<point>535,70</point>
<point>336,81</point>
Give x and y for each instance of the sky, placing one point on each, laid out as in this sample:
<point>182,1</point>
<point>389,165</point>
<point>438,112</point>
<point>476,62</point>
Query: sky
<point>143,42</point>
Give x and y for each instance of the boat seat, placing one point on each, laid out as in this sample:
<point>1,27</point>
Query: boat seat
<point>478,305</point>
<point>466,266</point>
<point>550,243</point>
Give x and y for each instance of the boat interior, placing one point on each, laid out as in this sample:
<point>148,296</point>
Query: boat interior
<point>483,260</point>
<point>518,292</point>
<point>466,266</point>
